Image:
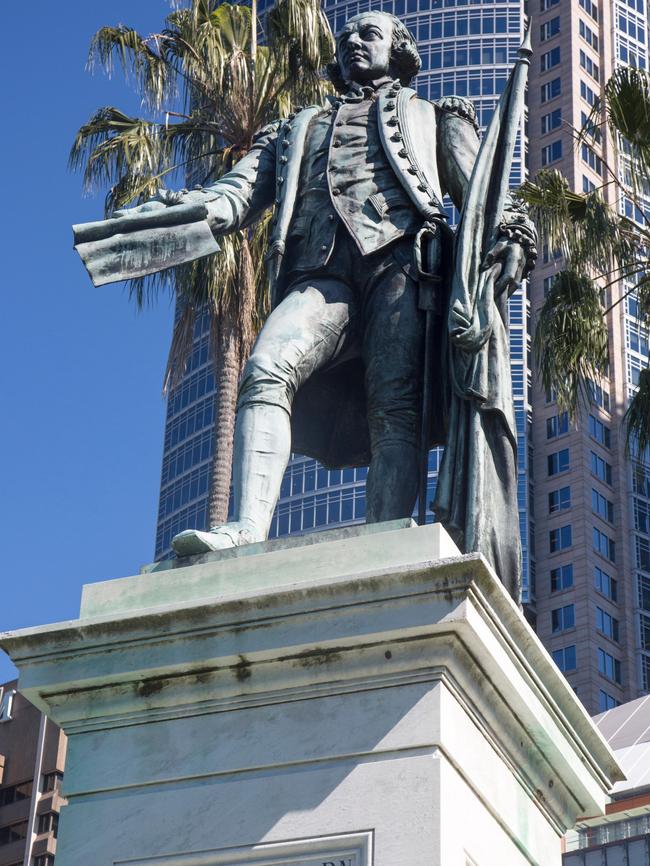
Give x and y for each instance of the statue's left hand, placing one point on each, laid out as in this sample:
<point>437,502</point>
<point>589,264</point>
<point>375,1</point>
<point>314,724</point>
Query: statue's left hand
<point>512,257</point>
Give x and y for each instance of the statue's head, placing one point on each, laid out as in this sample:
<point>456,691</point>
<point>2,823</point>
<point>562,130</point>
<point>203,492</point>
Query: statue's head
<point>373,45</point>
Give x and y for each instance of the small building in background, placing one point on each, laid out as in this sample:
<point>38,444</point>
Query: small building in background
<point>32,758</point>
<point>622,836</point>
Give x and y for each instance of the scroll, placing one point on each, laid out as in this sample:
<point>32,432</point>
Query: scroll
<point>125,247</point>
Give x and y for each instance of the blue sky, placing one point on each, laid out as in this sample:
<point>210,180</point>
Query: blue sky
<point>81,369</point>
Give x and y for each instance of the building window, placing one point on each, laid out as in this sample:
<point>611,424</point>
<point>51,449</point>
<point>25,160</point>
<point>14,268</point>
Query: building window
<point>601,468</point>
<point>545,5</point>
<point>549,29</point>
<point>604,545</point>
<point>599,396</point>
<point>44,860</point>
<point>48,823</point>
<point>14,793</point>
<point>51,781</point>
<point>589,66</point>
<point>588,94</point>
<point>551,89</point>
<point>590,8</point>
<point>563,618</point>
<point>605,584</point>
<point>607,624</point>
<point>560,538</point>
<point>587,185</point>
<point>558,461</point>
<point>601,506</point>
<point>600,432</point>
<point>562,577</point>
<point>559,500</point>
<point>551,121</point>
<point>550,59</point>
<point>552,152</point>
<point>588,35</point>
<point>591,159</point>
<point>609,666</point>
<point>565,658</point>
<point>556,425</point>
<point>606,702</point>
<point>13,833</point>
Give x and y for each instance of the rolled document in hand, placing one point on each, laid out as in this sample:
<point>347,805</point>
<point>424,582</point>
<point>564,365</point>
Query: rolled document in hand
<point>126,247</point>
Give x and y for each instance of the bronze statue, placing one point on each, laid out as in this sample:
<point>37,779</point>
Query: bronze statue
<point>363,278</point>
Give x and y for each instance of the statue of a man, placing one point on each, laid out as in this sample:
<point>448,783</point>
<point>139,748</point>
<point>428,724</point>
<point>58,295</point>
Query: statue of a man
<point>337,369</point>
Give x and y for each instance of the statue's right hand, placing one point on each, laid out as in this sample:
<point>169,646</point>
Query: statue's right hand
<point>163,198</point>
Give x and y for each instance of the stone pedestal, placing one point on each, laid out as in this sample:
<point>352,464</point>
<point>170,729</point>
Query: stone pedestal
<point>359,698</point>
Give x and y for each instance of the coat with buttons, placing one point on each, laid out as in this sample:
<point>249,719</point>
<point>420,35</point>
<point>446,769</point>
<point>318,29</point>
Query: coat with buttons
<point>430,146</point>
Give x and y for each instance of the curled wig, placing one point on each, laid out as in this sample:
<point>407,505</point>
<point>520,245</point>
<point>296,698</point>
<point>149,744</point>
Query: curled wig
<point>405,60</point>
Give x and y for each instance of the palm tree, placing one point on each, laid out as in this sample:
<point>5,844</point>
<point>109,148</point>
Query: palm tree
<point>208,88</point>
<point>600,248</point>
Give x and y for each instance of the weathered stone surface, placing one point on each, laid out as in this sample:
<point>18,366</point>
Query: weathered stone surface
<point>401,713</point>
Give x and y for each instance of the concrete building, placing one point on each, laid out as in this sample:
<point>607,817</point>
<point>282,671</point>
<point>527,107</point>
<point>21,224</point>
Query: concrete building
<point>590,501</point>
<point>32,757</point>
<point>467,49</point>
<point>622,837</point>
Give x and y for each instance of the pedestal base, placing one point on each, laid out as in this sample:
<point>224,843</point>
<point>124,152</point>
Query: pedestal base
<point>375,699</point>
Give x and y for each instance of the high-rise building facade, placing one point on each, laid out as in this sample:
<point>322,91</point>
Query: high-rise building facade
<point>467,49</point>
<point>591,500</point>
<point>32,758</point>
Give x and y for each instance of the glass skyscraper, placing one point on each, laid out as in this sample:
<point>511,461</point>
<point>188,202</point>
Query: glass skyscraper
<point>467,49</point>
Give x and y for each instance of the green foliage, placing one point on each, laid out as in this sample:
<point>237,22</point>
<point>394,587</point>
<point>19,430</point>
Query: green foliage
<point>600,247</point>
<point>571,339</point>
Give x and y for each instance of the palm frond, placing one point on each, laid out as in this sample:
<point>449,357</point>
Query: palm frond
<point>137,57</point>
<point>571,339</point>
<point>637,416</point>
<point>113,144</point>
<point>627,103</point>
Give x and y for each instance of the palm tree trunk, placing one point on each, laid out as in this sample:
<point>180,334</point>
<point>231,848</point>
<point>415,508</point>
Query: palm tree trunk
<point>227,368</point>
<point>234,338</point>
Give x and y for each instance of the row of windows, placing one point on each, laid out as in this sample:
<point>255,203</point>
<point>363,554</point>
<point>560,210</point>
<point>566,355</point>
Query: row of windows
<point>193,517</point>
<point>194,419</point>
<point>602,506</point>
<point>465,52</point>
<point>197,385</point>
<point>588,35</point>
<point>590,8</point>
<point>473,22</point>
<point>600,432</point>
<point>473,83</point>
<point>304,477</point>
<point>563,618</point>
<point>566,659</point>
<point>588,94</point>
<point>631,26</point>
<point>603,544</point>
<point>13,833</point>
<point>600,468</point>
<point>589,65</point>
<point>591,158</point>
<point>324,509</point>
<point>186,489</point>
<point>630,54</point>
<point>187,456</point>
<point>562,578</point>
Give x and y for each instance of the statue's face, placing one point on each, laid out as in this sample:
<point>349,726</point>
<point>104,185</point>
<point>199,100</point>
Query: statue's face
<point>364,48</point>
